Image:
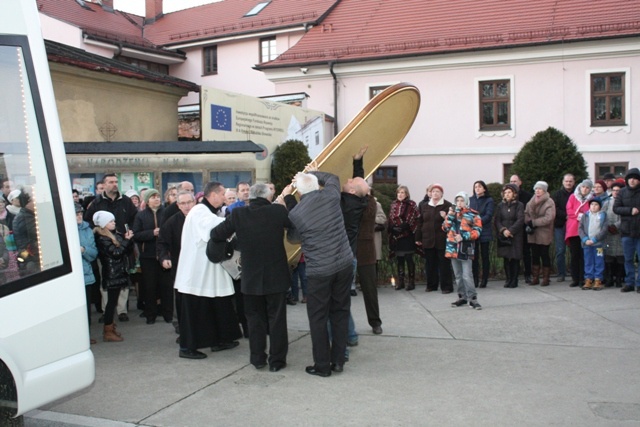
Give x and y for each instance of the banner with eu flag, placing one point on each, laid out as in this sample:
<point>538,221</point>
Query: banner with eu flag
<point>220,117</point>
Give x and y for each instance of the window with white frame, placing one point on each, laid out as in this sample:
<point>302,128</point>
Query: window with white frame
<point>619,169</point>
<point>386,175</point>
<point>495,104</point>
<point>374,90</point>
<point>210,60</point>
<point>608,99</point>
<point>268,49</point>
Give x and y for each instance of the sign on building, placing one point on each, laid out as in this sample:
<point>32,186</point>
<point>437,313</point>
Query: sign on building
<point>228,116</point>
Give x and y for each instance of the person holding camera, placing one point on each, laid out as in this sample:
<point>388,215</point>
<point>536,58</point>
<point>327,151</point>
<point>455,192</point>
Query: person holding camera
<point>539,216</point>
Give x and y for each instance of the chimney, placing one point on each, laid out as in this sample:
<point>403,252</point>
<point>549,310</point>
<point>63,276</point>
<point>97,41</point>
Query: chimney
<point>107,5</point>
<point>153,10</point>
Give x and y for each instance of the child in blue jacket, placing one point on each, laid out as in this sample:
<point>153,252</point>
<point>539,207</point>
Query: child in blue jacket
<point>592,231</point>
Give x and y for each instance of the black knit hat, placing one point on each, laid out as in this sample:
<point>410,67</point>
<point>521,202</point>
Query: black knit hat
<point>511,187</point>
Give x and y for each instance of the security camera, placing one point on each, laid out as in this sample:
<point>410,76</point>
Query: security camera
<point>304,70</point>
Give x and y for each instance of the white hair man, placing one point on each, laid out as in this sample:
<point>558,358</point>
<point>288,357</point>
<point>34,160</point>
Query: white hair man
<point>319,226</point>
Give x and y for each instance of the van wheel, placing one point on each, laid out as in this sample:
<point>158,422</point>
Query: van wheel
<point>8,399</point>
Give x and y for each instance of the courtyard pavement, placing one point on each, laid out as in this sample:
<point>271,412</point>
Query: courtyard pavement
<point>534,356</point>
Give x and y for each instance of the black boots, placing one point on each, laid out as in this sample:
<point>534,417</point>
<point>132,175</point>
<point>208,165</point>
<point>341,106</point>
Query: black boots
<point>619,274</point>
<point>507,273</point>
<point>511,268</point>
<point>412,272</point>
<point>412,282</point>
<point>400,284</point>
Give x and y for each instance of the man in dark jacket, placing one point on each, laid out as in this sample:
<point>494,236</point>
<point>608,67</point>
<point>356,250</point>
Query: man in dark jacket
<point>627,205</point>
<point>560,198</point>
<point>319,226</point>
<point>364,248</point>
<point>124,211</point>
<point>260,229</point>
<point>112,201</point>
<point>353,202</point>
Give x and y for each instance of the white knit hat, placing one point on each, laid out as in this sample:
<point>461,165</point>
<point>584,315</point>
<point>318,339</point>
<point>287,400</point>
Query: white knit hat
<point>464,196</point>
<point>102,218</point>
<point>14,194</point>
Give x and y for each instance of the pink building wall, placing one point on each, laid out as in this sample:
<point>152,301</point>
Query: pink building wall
<point>236,59</point>
<point>550,88</point>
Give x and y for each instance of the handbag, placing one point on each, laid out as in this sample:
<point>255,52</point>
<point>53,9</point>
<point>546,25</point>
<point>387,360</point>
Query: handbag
<point>504,240</point>
<point>225,254</point>
<point>466,250</point>
<point>233,265</point>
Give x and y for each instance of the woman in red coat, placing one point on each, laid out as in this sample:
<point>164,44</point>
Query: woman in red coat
<point>577,205</point>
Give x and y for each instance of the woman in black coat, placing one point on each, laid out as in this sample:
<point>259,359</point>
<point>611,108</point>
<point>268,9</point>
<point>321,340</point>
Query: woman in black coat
<point>155,279</point>
<point>402,226</point>
<point>482,202</point>
<point>509,221</point>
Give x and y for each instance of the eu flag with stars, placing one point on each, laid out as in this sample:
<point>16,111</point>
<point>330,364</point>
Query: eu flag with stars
<point>220,117</point>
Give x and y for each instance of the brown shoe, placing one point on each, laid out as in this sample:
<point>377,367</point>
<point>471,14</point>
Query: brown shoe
<point>535,275</point>
<point>109,335</point>
<point>597,285</point>
<point>115,329</point>
<point>588,284</point>
<point>546,271</point>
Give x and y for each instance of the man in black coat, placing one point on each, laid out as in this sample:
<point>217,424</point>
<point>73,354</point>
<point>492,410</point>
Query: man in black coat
<point>260,230</point>
<point>560,198</point>
<point>627,205</point>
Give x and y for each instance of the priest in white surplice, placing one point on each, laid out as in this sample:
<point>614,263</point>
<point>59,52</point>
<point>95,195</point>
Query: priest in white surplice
<point>208,317</point>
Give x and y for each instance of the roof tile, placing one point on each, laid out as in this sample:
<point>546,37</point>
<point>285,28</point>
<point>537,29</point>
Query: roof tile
<point>371,29</point>
<point>226,18</point>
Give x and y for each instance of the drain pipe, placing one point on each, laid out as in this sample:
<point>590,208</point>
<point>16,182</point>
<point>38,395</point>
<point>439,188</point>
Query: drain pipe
<point>335,98</point>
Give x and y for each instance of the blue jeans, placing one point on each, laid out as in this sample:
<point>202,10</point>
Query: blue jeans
<point>631,247</point>
<point>352,335</point>
<point>561,250</point>
<point>299,273</point>
<point>593,262</point>
<point>355,266</point>
<point>463,270</point>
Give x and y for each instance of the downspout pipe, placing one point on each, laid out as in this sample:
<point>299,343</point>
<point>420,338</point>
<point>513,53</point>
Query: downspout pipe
<point>335,98</point>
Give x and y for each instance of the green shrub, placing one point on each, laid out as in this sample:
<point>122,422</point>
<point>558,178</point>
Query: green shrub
<point>548,156</point>
<point>289,158</point>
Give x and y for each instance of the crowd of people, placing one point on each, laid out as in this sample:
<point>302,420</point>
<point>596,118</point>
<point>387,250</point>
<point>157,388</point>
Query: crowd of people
<point>175,250</point>
<point>598,222</point>
<point>19,249</point>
